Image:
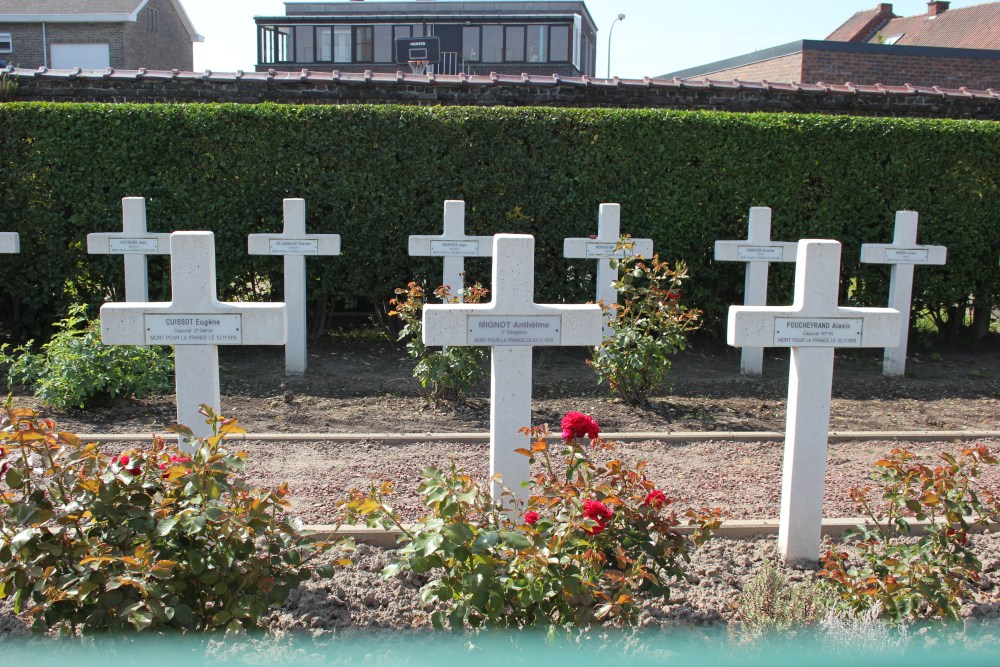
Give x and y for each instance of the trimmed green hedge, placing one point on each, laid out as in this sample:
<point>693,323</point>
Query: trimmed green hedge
<point>376,174</point>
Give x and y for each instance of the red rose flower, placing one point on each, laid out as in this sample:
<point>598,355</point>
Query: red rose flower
<point>578,425</point>
<point>4,467</point>
<point>530,518</point>
<point>655,499</point>
<point>123,461</point>
<point>959,536</point>
<point>598,512</point>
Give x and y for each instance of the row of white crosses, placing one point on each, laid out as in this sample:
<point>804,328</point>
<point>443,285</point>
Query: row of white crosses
<point>454,245</point>
<point>758,250</point>
<point>135,243</point>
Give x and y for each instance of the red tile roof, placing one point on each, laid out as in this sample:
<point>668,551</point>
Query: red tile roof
<point>861,26</point>
<point>976,27</point>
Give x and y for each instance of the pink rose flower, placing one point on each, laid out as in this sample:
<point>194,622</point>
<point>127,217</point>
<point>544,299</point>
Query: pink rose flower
<point>578,425</point>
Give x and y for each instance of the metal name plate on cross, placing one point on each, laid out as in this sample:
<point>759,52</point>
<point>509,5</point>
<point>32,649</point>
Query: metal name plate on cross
<point>453,245</point>
<point>603,248</point>
<point>295,245</point>
<point>511,324</point>
<point>134,242</point>
<point>903,253</point>
<point>757,250</point>
<point>812,326</point>
<point>195,323</point>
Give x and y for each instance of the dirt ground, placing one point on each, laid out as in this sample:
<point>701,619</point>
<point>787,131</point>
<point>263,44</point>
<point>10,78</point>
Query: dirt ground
<point>367,387</point>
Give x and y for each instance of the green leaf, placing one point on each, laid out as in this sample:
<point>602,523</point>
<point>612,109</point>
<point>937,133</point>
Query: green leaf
<point>516,539</point>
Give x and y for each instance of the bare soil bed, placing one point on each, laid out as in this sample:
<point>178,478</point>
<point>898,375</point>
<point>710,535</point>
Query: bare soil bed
<point>368,388</point>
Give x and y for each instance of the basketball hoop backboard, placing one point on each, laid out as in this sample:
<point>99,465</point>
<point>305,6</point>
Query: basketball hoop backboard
<point>411,49</point>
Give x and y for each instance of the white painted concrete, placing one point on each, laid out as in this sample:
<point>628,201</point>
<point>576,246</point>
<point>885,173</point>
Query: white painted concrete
<point>134,243</point>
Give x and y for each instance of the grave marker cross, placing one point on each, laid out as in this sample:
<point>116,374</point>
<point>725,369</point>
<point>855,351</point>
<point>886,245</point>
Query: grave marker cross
<point>294,244</point>
<point>453,245</point>
<point>812,326</point>
<point>903,253</point>
<point>195,323</point>
<point>511,324</point>
<point>757,250</point>
<point>602,248</point>
<point>134,242</point>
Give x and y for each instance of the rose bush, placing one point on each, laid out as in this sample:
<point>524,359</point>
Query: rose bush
<point>594,532</point>
<point>150,539</point>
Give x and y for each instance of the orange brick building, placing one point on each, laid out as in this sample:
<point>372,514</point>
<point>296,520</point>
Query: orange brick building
<point>947,48</point>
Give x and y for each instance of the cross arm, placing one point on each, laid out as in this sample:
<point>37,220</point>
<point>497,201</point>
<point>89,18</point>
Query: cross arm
<point>99,243</point>
<point>746,251</point>
<point>10,242</point>
<point>757,326</point>
<point>438,246</point>
<point>260,323</point>
<point>580,248</point>
<point>881,253</point>
<point>447,324</point>
<point>326,244</point>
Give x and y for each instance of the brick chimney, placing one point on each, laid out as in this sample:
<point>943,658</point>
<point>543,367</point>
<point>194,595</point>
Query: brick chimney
<point>935,8</point>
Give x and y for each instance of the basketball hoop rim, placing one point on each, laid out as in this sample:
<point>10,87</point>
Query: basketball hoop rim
<point>418,66</point>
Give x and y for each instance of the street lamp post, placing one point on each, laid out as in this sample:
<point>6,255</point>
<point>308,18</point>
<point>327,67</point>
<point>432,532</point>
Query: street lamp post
<point>621,17</point>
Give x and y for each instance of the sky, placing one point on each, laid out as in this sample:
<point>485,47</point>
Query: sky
<point>656,36</point>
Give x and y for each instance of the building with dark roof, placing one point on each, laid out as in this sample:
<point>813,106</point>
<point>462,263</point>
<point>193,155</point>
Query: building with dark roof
<point>475,37</point>
<point>96,34</point>
<point>951,48</point>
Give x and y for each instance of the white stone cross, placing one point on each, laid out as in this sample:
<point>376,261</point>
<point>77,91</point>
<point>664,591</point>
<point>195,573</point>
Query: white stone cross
<point>295,245</point>
<point>602,248</point>
<point>195,323</point>
<point>812,326</point>
<point>453,245</point>
<point>511,324</point>
<point>134,242</point>
<point>902,254</point>
<point>10,243</point>
<point>757,250</point>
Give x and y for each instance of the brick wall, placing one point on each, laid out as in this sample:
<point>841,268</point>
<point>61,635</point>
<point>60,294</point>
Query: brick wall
<point>548,69</point>
<point>891,70</point>
<point>26,40</point>
<point>161,43</point>
<point>507,91</point>
<point>785,69</point>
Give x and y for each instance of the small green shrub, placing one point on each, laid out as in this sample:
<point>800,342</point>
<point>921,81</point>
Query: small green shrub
<point>650,325</point>
<point>76,370</point>
<point>921,577</point>
<point>446,374</point>
<point>769,604</point>
<point>151,539</point>
<point>594,534</point>
<point>8,86</point>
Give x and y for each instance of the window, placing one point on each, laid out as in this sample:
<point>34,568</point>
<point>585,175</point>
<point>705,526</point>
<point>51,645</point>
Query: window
<point>538,43</point>
<point>891,39</point>
<point>470,43</point>
<point>305,47</point>
<point>492,44</point>
<point>364,44</point>
<point>6,46</point>
<point>342,44</point>
<point>324,45</point>
<point>275,44</point>
<point>153,20</point>
<point>513,51</point>
<point>559,44</point>
<point>383,44</point>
